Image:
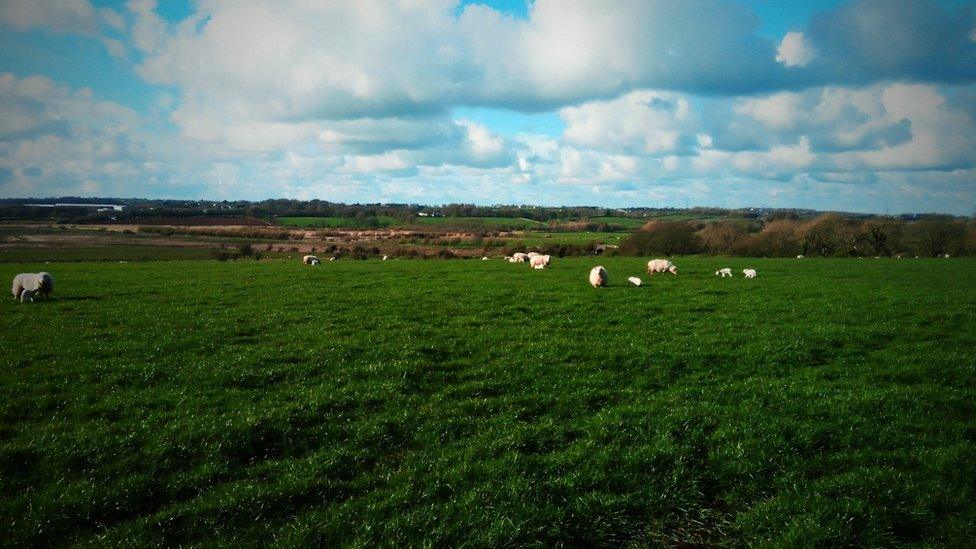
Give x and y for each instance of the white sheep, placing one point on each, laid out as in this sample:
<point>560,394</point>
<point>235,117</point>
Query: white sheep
<point>799,256</point>
<point>726,272</point>
<point>384,258</point>
<point>661,266</point>
<point>308,259</point>
<point>635,281</point>
<point>598,277</point>
<point>27,296</point>
<point>485,258</point>
<point>540,261</point>
<point>520,257</point>
<point>749,273</point>
<point>36,283</point>
<point>533,254</point>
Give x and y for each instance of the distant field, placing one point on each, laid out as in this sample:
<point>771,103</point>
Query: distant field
<point>825,403</point>
<point>191,221</point>
<point>336,222</point>
<point>628,222</point>
<point>480,222</point>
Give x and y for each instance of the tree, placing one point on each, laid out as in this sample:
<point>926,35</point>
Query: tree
<point>934,236</point>
<point>663,237</point>
<point>720,237</point>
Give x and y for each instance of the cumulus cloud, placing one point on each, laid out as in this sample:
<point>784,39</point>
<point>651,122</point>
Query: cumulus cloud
<point>794,51</point>
<point>871,40</point>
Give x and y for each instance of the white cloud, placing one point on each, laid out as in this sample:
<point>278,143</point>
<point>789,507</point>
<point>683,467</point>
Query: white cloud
<point>641,122</point>
<point>794,51</point>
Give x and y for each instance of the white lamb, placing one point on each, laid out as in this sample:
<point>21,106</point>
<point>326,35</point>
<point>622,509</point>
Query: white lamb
<point>635,281</point>
<point>726,272</point>
<point>750,273</point>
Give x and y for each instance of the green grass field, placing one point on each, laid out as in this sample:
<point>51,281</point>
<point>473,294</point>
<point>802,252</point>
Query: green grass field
<point>827,402</point>
<point>479,222</point>
<point>336,222</point>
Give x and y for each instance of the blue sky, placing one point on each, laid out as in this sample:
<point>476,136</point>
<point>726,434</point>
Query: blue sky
<point>865,105</point>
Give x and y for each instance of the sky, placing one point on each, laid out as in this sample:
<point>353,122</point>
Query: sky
<point>862,105</point>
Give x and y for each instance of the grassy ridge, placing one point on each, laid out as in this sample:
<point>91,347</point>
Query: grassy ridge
<point>825,402</point>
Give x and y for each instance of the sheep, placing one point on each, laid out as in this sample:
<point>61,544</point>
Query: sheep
<point>635,281</point>
<point>384,258</point>
<point>27,281</point>
<point>749,273</point>
<point>308,259</point>
<point>540,261</point>
<point>484,258</point>
<point>598,277</point>
<point>533,254</point>
<point>660,266</point>
<point>27,296</point>
<point>315,262</point>
<point>519,257</point>
<point>47,284</point>
<point>726,272</point>
<point>799,256</point>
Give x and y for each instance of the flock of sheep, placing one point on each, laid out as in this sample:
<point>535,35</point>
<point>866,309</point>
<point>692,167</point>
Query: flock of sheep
<point>599,277</point>
<point>27,286</point>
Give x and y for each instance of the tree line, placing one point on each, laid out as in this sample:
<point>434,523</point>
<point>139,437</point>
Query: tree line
<point>827,235</point>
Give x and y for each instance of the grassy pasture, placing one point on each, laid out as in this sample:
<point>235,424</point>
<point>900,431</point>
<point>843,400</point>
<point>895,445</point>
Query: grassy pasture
<point>335,222</point>
<point>826,402</point>
<point>479,222</point>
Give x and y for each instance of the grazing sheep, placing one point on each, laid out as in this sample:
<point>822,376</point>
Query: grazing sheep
<point>27,281</point>
<point>27,296</point>
<point>635,281</point>
<point>333,258</point>
<point>598,277</point>
<point>485,258</point>
<point>519,257</point>
<point>726,272</point>
<point>750,273</point>
<point>384,258</point>
<point>799,256</point>
<point>539,261</point>
<point>308,259</point>
<point>533,254</point>
<point>660,266</point>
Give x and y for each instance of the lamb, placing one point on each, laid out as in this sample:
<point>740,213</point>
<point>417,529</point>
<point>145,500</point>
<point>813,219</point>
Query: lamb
<point>484,258</point>
<point>533,254</point>
<point>726,272</point>
<point>635,281</point>
<point>520,257</point>
<point>36,283</point>
<point>660,266</point>
<point>598,277</point>
<point>384,258</point>
<point>799,256</point>
<point>750,273</point>
<point>47,284</point>
<point>309,259</point>
<point>540,261</point>
<point>27,296</point>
